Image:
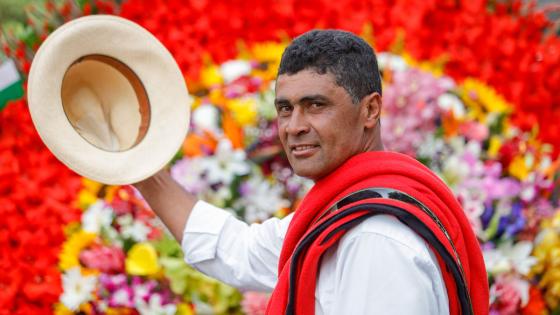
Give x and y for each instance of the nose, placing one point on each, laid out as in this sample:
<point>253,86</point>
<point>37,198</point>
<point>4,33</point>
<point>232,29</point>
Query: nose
<point>297,124</point>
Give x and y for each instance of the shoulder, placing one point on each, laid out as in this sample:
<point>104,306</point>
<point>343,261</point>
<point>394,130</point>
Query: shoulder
<point>388,230</point>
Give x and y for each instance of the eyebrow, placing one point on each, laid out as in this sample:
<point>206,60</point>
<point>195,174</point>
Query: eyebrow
<point>305,99</point>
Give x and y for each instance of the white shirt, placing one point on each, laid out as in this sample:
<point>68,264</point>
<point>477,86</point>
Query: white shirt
<point>378,267</point>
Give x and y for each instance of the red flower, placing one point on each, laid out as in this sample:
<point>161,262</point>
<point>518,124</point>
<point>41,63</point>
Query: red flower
<point>36,197</point>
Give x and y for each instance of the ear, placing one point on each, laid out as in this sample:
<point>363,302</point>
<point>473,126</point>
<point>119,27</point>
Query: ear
<point>371,109</point>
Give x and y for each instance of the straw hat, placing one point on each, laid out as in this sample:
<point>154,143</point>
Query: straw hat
<point>108,99</point>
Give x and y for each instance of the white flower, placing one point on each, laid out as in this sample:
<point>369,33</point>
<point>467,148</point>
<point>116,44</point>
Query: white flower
<point>137,231</point>
<point>121,297</point>
<point>188,173</point>
<point>154,306</point>
<point>454,170</point>
<point>431,145</point>
<point>207,117</point>
<point>77,288</point>
<point>451,103</point>
<point>391,61</point>
<point>225,164</point>
<point>234,69</point>
<point>265,103</point>
<point>141,291</point>
<point>112,235</point>
<point>98,216</point>
<point>508,257</point>
<point>261,199</point>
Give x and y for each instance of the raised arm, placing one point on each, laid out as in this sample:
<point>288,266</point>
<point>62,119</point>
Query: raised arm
<point>171,203</point>
<point>215,242</point>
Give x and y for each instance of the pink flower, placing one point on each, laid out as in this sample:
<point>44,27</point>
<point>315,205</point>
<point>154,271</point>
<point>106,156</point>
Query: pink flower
<point>410,109</point>
<point>105,259</point>
<point>474,130</point>
<point>508,294</point>
<point>254,303</point>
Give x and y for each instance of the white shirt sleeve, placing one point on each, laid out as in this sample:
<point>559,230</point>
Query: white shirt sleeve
<point>225,248</point>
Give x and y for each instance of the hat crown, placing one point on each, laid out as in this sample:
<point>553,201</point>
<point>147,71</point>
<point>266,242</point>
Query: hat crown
<point>105,102</point>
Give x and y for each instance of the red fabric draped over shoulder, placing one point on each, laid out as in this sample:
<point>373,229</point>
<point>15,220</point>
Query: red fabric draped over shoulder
<point>312,231</point>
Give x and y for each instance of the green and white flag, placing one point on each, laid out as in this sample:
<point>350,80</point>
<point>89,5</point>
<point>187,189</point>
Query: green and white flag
<point>10,83</point>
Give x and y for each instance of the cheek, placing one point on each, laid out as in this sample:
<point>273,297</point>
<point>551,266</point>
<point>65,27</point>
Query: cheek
<point>281,129</point>
<point>341,134</point>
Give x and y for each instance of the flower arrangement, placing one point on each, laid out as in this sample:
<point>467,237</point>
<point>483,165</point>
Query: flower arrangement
<point>118,261</point>
<point>478,128</point>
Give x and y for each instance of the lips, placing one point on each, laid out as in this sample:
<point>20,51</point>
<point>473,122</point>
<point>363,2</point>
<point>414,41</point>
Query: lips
<point>303,150</point>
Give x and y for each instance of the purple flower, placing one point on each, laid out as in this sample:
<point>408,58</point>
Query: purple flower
<point>487,215</point>
<point>513,223</point>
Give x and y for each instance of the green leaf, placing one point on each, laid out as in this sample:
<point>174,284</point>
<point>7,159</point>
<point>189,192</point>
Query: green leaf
<point>168,247</point>
<point>492,228</point>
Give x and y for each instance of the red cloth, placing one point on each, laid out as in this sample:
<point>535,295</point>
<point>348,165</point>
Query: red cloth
<point>367,170</point>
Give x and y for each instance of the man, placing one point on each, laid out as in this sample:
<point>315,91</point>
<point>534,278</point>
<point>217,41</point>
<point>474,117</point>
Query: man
<point>328,100</point>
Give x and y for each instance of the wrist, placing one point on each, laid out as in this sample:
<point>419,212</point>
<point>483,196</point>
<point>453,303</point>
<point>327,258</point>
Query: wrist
<point>155,180</point>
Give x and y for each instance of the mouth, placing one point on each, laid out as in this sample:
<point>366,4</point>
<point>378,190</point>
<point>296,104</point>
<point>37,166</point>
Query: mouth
<point>303,150</point>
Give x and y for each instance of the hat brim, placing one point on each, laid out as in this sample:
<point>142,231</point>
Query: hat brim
<point>160,75</point>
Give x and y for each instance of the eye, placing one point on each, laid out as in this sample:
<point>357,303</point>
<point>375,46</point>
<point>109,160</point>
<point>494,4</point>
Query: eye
<point>284,109</point>
<point>316,105</point>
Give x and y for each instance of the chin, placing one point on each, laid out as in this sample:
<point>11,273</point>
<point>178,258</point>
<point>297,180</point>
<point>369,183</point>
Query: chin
<point>312,174</point>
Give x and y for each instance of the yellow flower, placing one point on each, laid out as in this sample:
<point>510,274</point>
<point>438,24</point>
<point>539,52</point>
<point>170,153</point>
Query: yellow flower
<point>86,308</point>
<point>88,195</point>
<point>92,190</point>
<point>268,51</point>
<point>86,199</point>
<point>244,110</point>
<point>110,192</point>
<point>60,309</point>
<point>519,167</point>
<point>494,147</point>
<point>210,76</point>
<point>435,67</point>
<point>91,185</point>
<point>184,309</point>
<point>69,255</point>
<point>119,311</point>
<point>476,93</point>
<point>216,97</point>
<point>142,260</point>
<point>270,54</point>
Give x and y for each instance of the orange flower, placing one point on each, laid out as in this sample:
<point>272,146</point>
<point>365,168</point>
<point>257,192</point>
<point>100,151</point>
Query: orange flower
<point>536,305</point>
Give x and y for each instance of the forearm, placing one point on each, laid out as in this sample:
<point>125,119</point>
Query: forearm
<point>226,248</point>
<point>168,200</point>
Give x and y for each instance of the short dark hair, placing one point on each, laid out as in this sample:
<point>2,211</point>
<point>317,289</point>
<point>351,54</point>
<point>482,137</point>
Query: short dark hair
<point>348,57</point>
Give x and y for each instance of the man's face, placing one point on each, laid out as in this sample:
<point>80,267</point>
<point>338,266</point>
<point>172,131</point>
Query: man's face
<point>319,126</point>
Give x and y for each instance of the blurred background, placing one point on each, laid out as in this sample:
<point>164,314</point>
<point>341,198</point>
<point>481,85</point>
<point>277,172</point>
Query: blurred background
<point>469,89</point>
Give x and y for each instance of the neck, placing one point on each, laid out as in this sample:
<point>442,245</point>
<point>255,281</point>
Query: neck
<point>372,139</point>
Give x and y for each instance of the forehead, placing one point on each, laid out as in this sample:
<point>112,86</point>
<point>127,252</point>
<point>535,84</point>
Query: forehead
<point>307,82</point>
